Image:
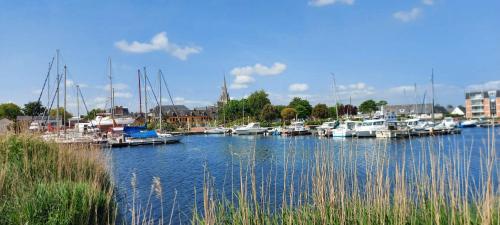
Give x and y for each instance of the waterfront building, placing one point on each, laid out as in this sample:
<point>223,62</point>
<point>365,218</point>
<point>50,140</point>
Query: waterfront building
<point>120,111</point>
<point>423,111</point>
<point>180,114</point>
<point>480,104</point>
<point>458,111</point>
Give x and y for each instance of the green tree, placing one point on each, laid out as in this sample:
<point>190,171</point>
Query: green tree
<point>332,112</point>
<point>279,108</point>
<point>368,106</point>
<point>67,115</point>
<point>33,109</point>
<point>302,106</point>
<point>269,113</point>
<point>10,111</point>
<point>288,114</point>
<point>382,103</point>
<point>320,111</point>
<point>93,113</point>
<point>256,102</point>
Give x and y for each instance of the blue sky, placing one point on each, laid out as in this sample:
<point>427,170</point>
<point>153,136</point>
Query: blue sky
<point>377,49</point>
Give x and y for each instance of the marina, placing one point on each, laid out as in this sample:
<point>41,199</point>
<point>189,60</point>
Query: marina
<point>310,112</point>
<point>222,155</point>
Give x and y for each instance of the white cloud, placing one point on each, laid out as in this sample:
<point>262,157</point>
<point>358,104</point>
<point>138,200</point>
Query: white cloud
<point>159,42</point>
<point>187,102</point>
<point>99,102</point>
<point>298,87</point>
<point>408,16</point>
<point>244,76</point>
<point>490,85</point>
<point>402,89</point>
<point>428,2</point>
<point>358,90</point>
<point>69,83</point>
<point>123,95</point>
<point>116,87</point>
<point>320,3</point>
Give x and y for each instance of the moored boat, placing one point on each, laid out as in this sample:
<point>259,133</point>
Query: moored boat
<point>369,128</point>
<point>251,128</point>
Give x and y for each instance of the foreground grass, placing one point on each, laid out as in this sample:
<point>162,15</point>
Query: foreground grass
<point>46,183</point>
<point>436,187</point>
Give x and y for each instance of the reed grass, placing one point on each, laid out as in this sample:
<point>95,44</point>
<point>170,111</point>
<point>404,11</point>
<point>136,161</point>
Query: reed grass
<point>47,183</point>
<point>433,185</point>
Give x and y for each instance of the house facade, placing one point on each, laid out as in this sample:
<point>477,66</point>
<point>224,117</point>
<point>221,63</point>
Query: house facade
<point>480,104</point>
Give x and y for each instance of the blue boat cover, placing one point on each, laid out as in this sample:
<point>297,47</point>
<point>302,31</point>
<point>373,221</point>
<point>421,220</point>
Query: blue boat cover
<point>128,130</point>
<point>144,134</point>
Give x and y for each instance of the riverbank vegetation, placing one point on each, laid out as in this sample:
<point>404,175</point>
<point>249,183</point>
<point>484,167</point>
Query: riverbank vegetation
<point>46,183</point>
<point>435,185</point>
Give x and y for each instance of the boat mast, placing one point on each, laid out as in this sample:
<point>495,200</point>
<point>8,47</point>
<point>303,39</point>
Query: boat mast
<point>111,91</point>
<point>336,97</point>
<point>159,81</point>
<point>416,100</point>
<point>223,103</point>
<point>432,86</point>
<point>48,84</point>
<point>140,91</point>
<point>64,111</point>
<point>78,102</point>
<point>58,80</point>
<point>145,94</point>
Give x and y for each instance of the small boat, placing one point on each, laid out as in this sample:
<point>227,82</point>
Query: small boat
<point>170,138</point>
<point>296,128</point>
<point>369,128</point>
<point>346,129</point>
<point>108,121</point>
<point>216,130</point>
<point>394,129</point>
<point>468,123</point>
<point>251,128</point>
<point>326,128</point>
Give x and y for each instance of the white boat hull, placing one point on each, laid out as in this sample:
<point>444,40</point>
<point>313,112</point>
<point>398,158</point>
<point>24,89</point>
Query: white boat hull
<point>343,133</point>
<point>366,133</point>
<point>250,132</point>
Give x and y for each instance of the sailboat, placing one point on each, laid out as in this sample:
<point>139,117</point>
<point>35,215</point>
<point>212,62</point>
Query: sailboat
<point>108,121</point>
<point>165,137</point>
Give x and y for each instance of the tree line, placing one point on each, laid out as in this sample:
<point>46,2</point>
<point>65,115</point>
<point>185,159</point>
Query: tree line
<point>258,107</point>
<point>11,111</point>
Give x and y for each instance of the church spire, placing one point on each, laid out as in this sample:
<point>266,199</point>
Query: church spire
<point>224,96</point>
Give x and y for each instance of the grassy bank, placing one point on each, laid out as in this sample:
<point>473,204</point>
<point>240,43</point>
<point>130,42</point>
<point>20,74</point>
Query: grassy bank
<point>432,186</point>
<point>46,183</point>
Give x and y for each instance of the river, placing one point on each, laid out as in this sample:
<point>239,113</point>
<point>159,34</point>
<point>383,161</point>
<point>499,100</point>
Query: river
<point>181,167</point>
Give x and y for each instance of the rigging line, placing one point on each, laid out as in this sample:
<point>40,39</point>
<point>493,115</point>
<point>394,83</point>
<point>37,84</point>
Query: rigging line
<point>168,91</point>
<point>84,104</point>
<point>152,91</point>
<point>53,99</point>
<point>45,83</point>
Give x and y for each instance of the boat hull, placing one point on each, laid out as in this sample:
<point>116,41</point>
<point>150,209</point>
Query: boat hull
<point>343,133</point>
<point>366,133</point>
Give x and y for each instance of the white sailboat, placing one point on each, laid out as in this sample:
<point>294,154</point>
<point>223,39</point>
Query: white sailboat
<point>166,137</point>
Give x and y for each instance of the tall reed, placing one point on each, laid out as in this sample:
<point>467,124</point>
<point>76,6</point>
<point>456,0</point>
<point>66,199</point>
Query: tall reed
<point>47,183</point>
<point>432,185</point>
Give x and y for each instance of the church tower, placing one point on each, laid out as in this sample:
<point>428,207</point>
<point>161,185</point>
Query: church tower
<point>224,96</point>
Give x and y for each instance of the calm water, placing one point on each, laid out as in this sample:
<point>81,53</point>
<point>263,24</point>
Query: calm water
<point>181,166</point>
